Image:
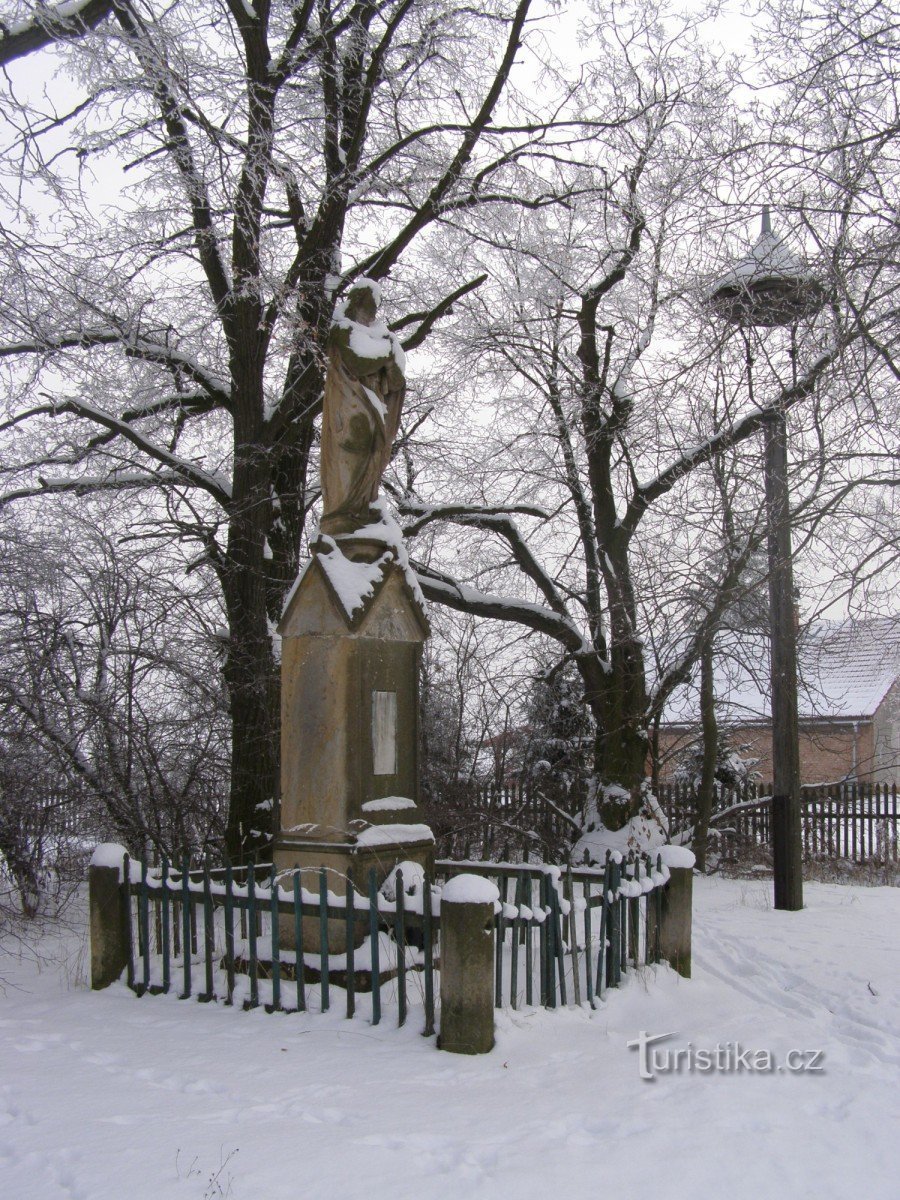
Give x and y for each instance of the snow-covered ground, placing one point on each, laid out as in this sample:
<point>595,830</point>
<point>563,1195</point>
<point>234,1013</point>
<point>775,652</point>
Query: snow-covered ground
<point>105,1095</point>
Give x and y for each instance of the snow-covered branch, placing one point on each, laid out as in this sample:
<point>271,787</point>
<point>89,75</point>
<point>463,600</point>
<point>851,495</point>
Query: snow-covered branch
<point>133,346</point>
<point>49,24</point>
<point>423,514</point>
<point>83,485</point>
<point>188,472</point>
<point>501,608</point>
<point>500,522</point>
<point>427,320</point>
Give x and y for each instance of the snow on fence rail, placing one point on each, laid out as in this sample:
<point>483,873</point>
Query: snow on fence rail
<point>238,935</point>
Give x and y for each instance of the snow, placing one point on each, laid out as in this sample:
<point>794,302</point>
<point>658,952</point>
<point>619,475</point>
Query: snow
<point>373,341</point>
<point>768,258</point>
<point>369,341</point>
<point>65,10</point>
<point>393,835</point>
<point>469,889</point>
<point>413,880</point>
<point>643,833</point>
<point>377,403</point>
<point>676,856</point>
<point>110,854</point>
<point>105,1096</point>
<point>353,582</point>
<point>387,529</point>
<point>388,804</point>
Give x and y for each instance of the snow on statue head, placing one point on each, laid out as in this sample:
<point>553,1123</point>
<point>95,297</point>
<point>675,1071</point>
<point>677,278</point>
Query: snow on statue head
<point>364,391</point>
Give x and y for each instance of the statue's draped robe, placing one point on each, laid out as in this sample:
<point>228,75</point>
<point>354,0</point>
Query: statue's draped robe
<point>360,419</point>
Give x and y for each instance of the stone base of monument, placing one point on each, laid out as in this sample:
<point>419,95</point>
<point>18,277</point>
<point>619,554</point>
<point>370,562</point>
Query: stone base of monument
<point>373,848</point>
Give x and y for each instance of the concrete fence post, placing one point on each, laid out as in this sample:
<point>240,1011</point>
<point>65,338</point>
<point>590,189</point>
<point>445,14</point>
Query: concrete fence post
<point>467,965</point>
<point>108,915</point>
<point>675,918</point>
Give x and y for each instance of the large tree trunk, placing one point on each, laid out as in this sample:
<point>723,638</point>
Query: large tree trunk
<point>252,680</point>
<point>250,669</point>
<point>620,743</point>
<point>620,700</point>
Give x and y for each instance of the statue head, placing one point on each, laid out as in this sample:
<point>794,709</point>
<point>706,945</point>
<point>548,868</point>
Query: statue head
<point>362,301</point>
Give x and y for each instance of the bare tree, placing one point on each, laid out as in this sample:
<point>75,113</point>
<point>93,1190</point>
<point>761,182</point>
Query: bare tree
<point>622,399</point>
<point>163,322</point>
<point>106,682</point>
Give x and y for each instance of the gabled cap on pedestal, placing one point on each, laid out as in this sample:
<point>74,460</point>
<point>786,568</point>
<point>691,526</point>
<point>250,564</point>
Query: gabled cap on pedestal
<point>336,596</point>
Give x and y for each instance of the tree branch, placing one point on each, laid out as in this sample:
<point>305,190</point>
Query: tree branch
<point>501,608</point>
<point>379,263</point>
<point>726,438</point>
<point>50,25</point>
<point>217,487</point>
<point>429,319</point>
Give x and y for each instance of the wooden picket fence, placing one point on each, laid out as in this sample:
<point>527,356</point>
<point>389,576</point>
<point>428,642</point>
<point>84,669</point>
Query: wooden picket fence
<point>560,904</point>
<point>852,822</point>
<point>489,819</point>
<point>562,936</point>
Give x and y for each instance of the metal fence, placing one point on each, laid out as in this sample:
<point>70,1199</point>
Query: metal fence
<point>238,936</point>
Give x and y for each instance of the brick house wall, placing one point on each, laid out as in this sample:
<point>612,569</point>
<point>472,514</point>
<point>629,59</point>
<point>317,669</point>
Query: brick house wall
<point>829,750</point>
<point>887,737</point>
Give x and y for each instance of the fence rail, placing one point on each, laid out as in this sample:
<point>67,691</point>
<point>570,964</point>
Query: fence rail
<point>238,936</point>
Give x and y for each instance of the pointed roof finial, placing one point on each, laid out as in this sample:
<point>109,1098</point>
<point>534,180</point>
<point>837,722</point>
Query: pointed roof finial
<point>766,221</point>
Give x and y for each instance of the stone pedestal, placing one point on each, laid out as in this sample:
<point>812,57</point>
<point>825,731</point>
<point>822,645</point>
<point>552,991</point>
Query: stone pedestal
<point>109,924</point>
<point>339,859</point>
<point>467,965</point>
<point>352,636</point>
<point>674,924</point>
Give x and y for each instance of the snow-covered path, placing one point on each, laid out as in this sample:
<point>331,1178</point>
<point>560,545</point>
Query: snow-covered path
<point>109,1096</point>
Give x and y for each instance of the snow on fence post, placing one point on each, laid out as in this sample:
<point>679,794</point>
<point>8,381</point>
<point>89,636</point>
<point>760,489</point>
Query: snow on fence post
<point>674,917</point>
<point>468,904</point>
<point>109,915</point>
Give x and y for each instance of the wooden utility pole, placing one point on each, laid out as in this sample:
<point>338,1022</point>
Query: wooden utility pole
<point>767,289</point>
<point>786,822</point>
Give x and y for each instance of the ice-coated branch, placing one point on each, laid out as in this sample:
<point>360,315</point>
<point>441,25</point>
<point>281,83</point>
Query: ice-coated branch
<point>420,514</point>
<point>379,263</point>
<point>157,72</point>
<point>725,439</point>
<point>501,522</point>
<point>218,390</point>
<point>84,485</point>
<point>187,471</point>
<point>427,320</point>
<point>703,628</point>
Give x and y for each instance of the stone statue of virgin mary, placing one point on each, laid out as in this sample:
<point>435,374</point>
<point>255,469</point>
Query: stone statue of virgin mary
<point>364,390</point>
